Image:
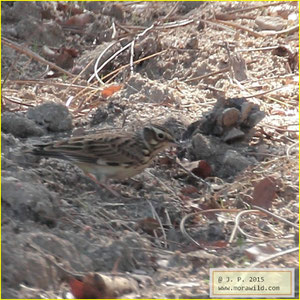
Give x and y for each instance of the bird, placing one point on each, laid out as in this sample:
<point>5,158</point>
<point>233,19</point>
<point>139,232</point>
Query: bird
<point>110,155</point>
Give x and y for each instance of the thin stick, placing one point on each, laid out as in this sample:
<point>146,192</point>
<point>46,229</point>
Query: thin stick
<point>264,93</point>
<point>258,49</point>
<point>108,60</point>
<point>10,70</point>
<point>290,147</point>
<point>123,28</point>
<point>45,82</point>
<point>163,184</point>
<point>96,70</point>
<point>164,26</point>
<point>182,223</point>
<point>169,223</point>
<point>173,9</point>
<point>192,174</point>
<point>237,221</point>
<point>251,32</point>
<point>175,24</point>
<point>160,223</point>
<point>283,76</point>
<point>279,101</point>
<point>183,231</point>
<point>77,77</point>
<point>50,257</point>
<point>224,70</point>
<point>218,25</point>
<point>17,102</point>
<point>288,251</point>
<point>135,62</point>
<point>276,217</point>
<point>131,44</point>
<point>33,55</point>
<point>114,33</point>
<point>254,7</point>
<point>281,128</point>
<point>292,29</point>
<point>131,57</point>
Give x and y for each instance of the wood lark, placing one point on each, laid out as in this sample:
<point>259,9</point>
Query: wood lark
<point>110,155</point>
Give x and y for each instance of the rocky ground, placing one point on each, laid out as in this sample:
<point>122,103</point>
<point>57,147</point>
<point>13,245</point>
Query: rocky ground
<point>221,76</point>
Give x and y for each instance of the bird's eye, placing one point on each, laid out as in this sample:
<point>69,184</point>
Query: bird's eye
<point>160,136</point>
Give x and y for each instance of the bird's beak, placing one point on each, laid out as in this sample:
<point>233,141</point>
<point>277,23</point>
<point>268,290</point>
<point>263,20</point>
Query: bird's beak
<point>175,143</point>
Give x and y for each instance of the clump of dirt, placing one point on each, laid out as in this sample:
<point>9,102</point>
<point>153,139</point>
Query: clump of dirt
<point>221,76</point>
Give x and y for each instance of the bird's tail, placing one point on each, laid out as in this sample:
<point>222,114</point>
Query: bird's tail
<point>46,150</point>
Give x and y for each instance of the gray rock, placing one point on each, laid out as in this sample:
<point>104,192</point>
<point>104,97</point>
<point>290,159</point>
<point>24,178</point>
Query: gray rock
<point>270,23</point>
<point>33,269</point>
<point>50,33</point>
<point>21,10</point>
<point>135,84</point>
<point>255,118</point>
<point>52,116</point>
<point>63,248</point>
<point>235,160</point>
<point>19,125</point>
<point>29,201</point>
<point>187,6</point>
<point>202,147</point>
<point>94,6</point>
<point>233,134</point>
<point>100,30</point>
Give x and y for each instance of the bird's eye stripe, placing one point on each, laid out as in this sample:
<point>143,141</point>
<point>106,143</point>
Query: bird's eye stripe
<point>112,164</point>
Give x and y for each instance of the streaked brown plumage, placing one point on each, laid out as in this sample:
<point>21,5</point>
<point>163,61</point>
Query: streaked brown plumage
<point>115,155</point>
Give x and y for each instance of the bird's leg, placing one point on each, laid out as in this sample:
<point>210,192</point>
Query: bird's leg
<point>103,185</point>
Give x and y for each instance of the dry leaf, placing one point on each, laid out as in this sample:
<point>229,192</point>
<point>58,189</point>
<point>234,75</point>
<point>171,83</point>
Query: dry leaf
<point>200,168</point>
<point>264,193</point>
<point>65,58</point>
<point>88,288</point>
<point>109,91</point>
<point>69,9</point>
<point>219,244</point>
<point>100,286</point>
<point>214,244</point>
<point>184,198</point>
<point>189,189</point>
<point>148,225</point>
<point>79,20</point>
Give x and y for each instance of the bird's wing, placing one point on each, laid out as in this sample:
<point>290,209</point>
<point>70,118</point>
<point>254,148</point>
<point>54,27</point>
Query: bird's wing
<point>94,149</point>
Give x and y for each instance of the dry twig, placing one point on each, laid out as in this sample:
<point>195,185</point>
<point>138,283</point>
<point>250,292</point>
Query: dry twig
<point>288,251</point>
<point>244,28</point>
<point>155,214</point>
<point>254,7</point>
<point>276,217</point>
<point>182,223</point>
<point>33,55</point>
